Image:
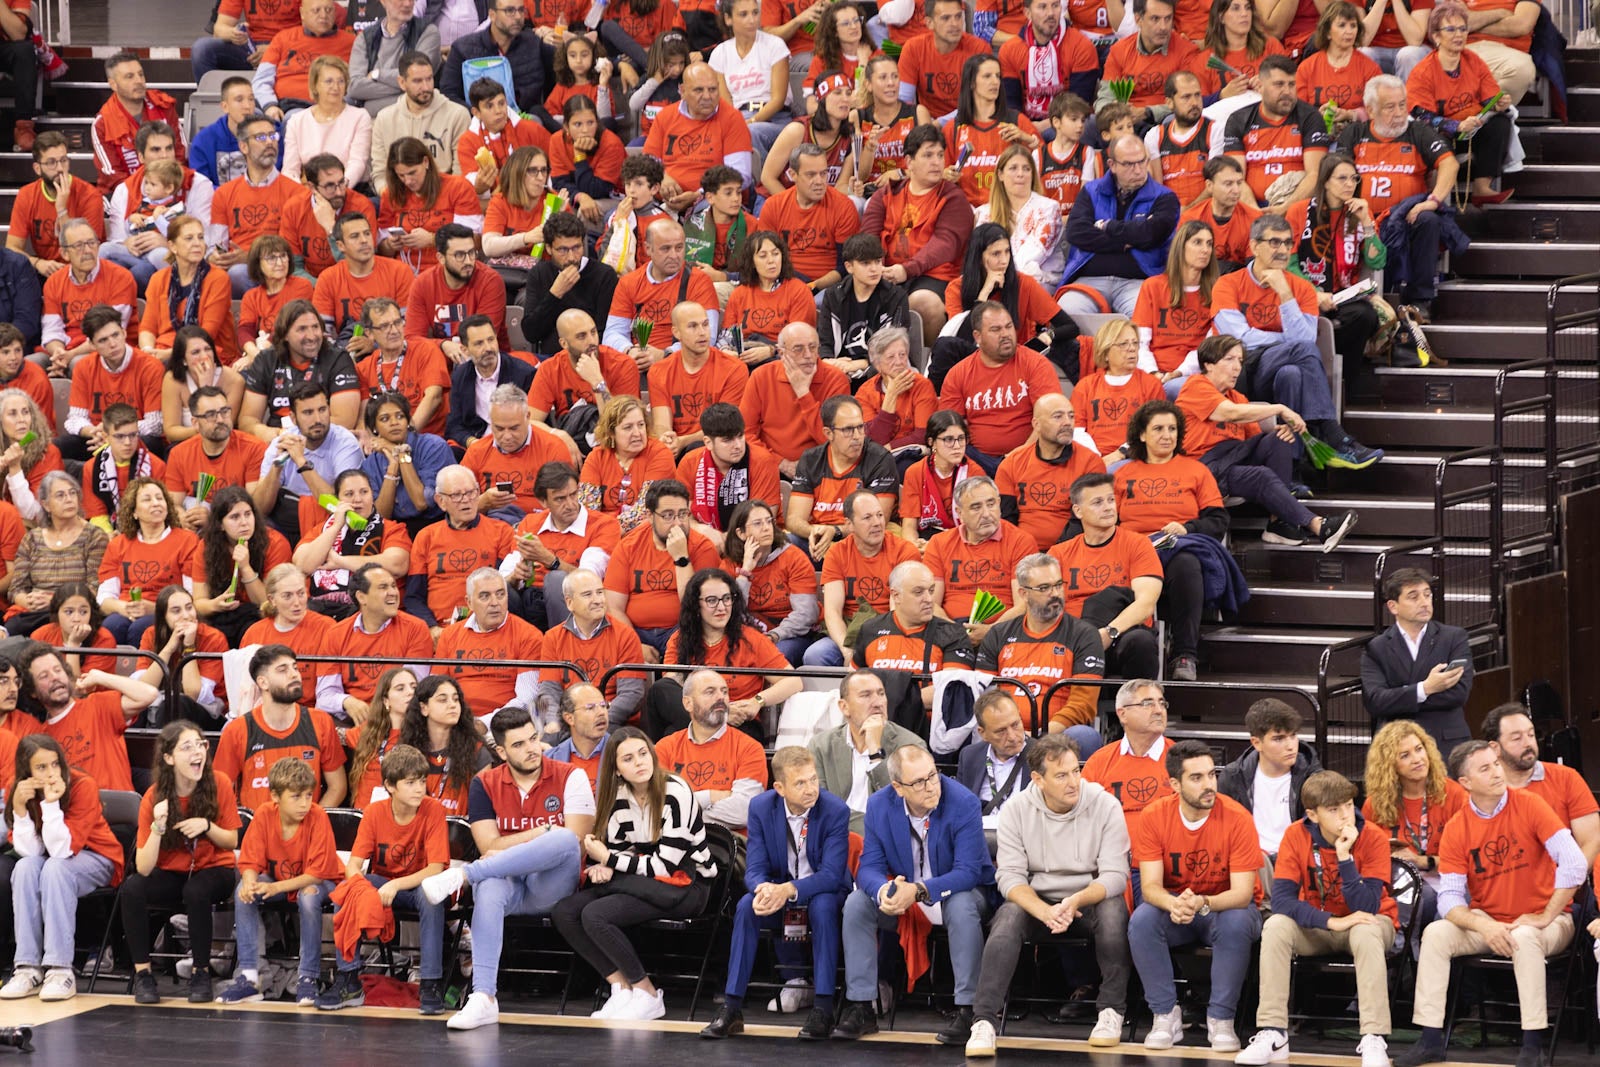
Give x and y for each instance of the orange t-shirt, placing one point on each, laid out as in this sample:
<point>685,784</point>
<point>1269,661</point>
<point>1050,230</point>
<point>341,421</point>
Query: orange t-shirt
<point>1240,291</point>
<point>557,388</point>
<point>258,310</point>
<point>1200,860</point>
<point>372,774</point>
<point>998,401</point>
<point>309,637</point>
<point>137,564</point>
<point>248,211</point>
<point>138,383</point>
<point>1136,781</point>
<point>239,464</point>
<point>309,848</point>
<point>615,642</point>
<point>606,161</point>
<point>1150,495</point>
<point>278,551</point>
<point>521,468</point>
<point>936,77</point>
<point>444,556</point>
<point>599,531</point>
<point>66,300</point>
<point>200,854</point>
<point>1503,857</point>
<point>309,241</point>
<point>1199,400</point>
<point>245,760</point>
<point>1087,569</point>
<point>50,634</point>
<point>773,582</point>
<point>755,650</point>
<point>93,506</point>
<point>1174,331</point>
<point>403,636</point>
<point>518,132</point>
<point>965,568</point>
<point>1232,237</point>
<point>912,410</point>
<point>90,734</point>
<point>1102,409</point>
<point>33,215</point>
<point>1317,870</point>
<point>422,365</point>
<point>637,298</point>
<point>340,295</point>
<point>761,313</point>
<point>86,822</point>
<point>1521,44</point>
<point>1317,81</point>
<point>788,425</point>
<point>292,50</point>
<point>865,578</point>
<point>456,201</point>
<point>395,851</point>
<point>721,380</point>
<point>1421,824</point>
<point>1149,72</point>
<point>1212,82</point>
<point>621,489</point>
<point>1454,97</point>
<point>1565,791</point>
<point>689,146</point>
<point>764,479</point>
<point>215,315</point>
<point>981,144</point>
<point>1035,308</point>
<point>645,575</point>
<point>488,689</point>
<point>815,234</point>
<point>717,763</point>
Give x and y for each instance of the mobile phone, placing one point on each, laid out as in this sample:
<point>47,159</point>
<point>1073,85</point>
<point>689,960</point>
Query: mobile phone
<point>1458,664</point>
<point>504,487</point>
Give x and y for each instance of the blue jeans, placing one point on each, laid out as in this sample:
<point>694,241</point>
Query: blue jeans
<point>430,918</point>
<point>963,921</point>
<point>824,912</point>
<point>526,879</point>
<point>213,53</point>
<point>1398,61</point>
<point>1088,739</point>
<point>141,268</point>
<point>794,648</point>
<point>1291,373</point>
<point>127,631</point>
<point>247,928</point>
<point>823,653</point>
<point>656,636</point>
<point>44,903</point>
<point>763,134</point>
<point>1231,935</point>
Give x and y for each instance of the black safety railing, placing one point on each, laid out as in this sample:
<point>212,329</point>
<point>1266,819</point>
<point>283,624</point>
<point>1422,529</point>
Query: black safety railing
<point>434,665</point>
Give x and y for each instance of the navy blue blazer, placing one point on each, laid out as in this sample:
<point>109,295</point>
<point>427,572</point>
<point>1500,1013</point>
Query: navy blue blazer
<point>970,767</point>
<point>958,852</point>
<point>464,421</point>
<point>827,845</point>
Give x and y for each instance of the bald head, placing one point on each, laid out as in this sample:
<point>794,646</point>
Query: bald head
<point>1052,420</point>
<point>692,327</point>
<point>576,329</point>
<point>699,90</point>
<point>1130,162</point>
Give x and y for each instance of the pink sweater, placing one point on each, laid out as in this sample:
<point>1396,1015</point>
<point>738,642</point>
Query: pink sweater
<point>348,137</point>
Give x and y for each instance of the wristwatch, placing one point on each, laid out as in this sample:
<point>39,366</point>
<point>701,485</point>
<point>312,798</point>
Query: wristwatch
<point>922,894</point>
<point>1113,633</point>
<point>302,468</point>
<point>681,561</point>
<point>1205,906</point>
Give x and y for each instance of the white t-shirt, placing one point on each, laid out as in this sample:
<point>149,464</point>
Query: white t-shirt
<point>1272,810</point>
<point>749,77</point>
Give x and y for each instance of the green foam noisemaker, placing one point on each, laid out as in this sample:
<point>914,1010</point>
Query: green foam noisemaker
<point>642,329</point>
<point>985,606</point>
<point>1318,451</point>
<point>1122,89</point>
<point>356,522</point>
<point>27,439</point>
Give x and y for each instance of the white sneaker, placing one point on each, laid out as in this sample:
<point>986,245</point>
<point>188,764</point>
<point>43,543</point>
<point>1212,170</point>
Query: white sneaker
<point>797,994</point>
<point>1166,1031</point>
<point>1268,1046</point>
<point>437,888</point>
<point>1107,1032</point>
<point>59,984</point>
<point>1374,1051</point>
<point>1220,1033</point>
<point>612,1008</point>
<point>980,1041</point>
<point>642,1006</point>
<point>479,1010</point>
<point>24,982</point>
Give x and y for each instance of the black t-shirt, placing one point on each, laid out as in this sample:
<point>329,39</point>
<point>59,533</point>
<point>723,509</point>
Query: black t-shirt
<point>272,375</point>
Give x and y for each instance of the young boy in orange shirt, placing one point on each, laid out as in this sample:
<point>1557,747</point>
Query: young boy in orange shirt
<point>287,854</point>
<point>405,838</point>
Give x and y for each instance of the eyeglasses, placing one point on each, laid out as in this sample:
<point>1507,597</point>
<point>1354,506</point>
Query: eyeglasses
<point>1149,704</point>
<point>1129,162</point>
<point>463,495</point>
<point>191,746</point>
<point>333,187</point>
<point>1125,346</point>
<point>219,413</point>
<point>723,601</point>
<point>599,705</point>
<point>851,431</point>
<point>79,246</point>
<point>951,439</point>
<point>672,516</point>
<point>921,783</point>
<point>1278,243</point>
<point>1451,29</point>
<point>393,324</point>
<point>539,171</point>
<point>265,138</point>
<point>275,257</point>
<point>469,253</point>
<point>1046,587</point>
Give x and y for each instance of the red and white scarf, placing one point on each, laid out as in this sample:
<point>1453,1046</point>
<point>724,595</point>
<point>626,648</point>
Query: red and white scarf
<point>1041,76</point>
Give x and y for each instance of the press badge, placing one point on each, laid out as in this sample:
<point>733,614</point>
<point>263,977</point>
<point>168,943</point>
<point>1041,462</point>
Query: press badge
<point>796,923</point>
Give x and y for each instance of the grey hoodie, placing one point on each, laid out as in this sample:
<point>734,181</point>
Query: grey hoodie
<point>1060,854</point>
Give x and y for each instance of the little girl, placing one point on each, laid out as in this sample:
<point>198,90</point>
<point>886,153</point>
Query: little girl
<point>659,90</point>
<point>158,203</point>
<point>579,71</point>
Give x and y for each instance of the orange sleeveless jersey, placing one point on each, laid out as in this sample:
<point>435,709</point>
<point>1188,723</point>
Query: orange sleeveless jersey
<point>982,145</point>
<point>249,747</point>
<point>1183,163</point>
<point>1062,179</point>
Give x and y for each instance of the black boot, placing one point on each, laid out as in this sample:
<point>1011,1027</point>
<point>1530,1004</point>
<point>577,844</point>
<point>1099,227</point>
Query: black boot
<point>729,1021</point>
<point>958,1029</point>
<point>857,1021</point>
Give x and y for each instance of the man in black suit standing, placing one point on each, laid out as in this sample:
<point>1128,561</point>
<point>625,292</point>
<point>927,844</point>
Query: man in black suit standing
<point>995,766</point>
<point>1418,669</point>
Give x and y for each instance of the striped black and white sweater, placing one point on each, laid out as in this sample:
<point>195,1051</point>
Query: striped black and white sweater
<point>681,846</point>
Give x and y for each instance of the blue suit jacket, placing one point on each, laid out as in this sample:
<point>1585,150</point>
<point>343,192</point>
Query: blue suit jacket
<point>827,845</point>
<point>464,421</point>
<point>970,767</point>
<point>958,853</point>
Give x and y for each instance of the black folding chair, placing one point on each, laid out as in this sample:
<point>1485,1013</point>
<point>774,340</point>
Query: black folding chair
<point>121,811</point>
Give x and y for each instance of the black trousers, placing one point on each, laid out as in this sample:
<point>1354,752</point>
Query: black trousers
<point>593,919</point>
<point>1183,594</point>
<point>197,892</point>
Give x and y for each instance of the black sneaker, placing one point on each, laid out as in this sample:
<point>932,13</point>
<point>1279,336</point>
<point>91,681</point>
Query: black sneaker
<point>345,992</point>
<point>819,1024</point>
<point>430,997</point>
<point>1279,532</point>
<point>856,1022</point>
<point>1421,1053</point>
<point>958,1029</point>
<point>200,991</point>
<point>1335,528</point>
<point>144,988</point>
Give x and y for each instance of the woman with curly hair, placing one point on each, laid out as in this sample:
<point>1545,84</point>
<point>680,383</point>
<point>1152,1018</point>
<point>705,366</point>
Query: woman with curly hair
<point>188,828</point>
<point>370,740</point>
<point>841,44</point>
<point>1410,792</point>
<point>236,550</point>
<point>149,552</point>
<point>439,724</point>
<point>715,630</point>
<point>625,460</point>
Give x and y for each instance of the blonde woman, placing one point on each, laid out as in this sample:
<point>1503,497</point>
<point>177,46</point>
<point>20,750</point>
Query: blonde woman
<point>329,124</point>
<point>1018,205</point>
<point>626,459</point>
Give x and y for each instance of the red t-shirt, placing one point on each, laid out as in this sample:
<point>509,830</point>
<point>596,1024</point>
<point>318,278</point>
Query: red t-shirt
<point>1201,860</point>
<point>200,854</point>
<point>395,851</point>
<point>689,146</point>
<point>1316,871</point>
<point>308,849</point>
<point>1102,409</point>
<point>90,734</point>
<point>936,77</point>
<point>998,401</point>
<point>1199,400</point>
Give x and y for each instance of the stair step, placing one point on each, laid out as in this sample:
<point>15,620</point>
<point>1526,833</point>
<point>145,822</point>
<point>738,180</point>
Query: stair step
<point>16,168</point>
<point>1472,300</point>
<point>1526,259</point>
<point>1565,181</point>
<point>1311,604</point>
<point>1539,221</point>
<point>1567,144</point>
<point>1348,566</point>
<point>1583,101</point>
<point>1437,387</point>
<point>1294,653</point>
<point>1486,343</point>
<point>1413,473</point>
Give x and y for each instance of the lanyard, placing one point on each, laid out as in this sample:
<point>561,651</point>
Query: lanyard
<point>920,844</point>
<point>997,792</point>
<point>1418,833</point>
<point>794,845</point>
<point>393,384</point>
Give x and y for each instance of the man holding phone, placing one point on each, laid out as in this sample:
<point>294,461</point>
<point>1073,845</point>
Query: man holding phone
<point>1419,668</point>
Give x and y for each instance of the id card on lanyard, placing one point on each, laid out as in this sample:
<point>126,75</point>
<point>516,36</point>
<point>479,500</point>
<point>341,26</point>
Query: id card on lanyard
<point>796,917</point>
